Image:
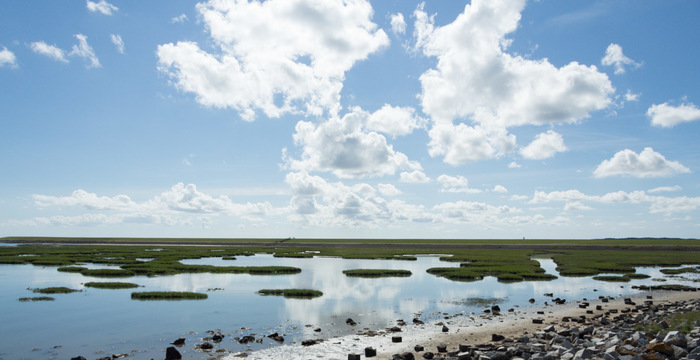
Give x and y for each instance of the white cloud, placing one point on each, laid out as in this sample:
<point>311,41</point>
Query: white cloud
<point>646,164</point>
<point>388,190</point>
<point>500,189</point>
<point>398,24</point>
<point>84,50</point>
<point>50,51</point>
<point>179,19</point>
<point>474,212</point>
<point>629,96</point>
<point>514,165</point>
<point>666,115</point>
<point>615,57</point>
<point>519,197</point>
<point>414,177</point>
<point>574,200</point>
<point>345,147</point>
<point>8,58</point>
<point>102,7</point>
<point>664,189</point>
<point>455,184</point>
<point>476,79</point>
<point>463,144</point>
<point>394,121</point>
<point>180,205</point>
<point>118,42</point>
<point>544,146</point>
<point>296,65</point>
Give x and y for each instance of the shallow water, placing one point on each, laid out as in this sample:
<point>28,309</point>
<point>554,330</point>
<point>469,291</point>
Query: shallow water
<point>97,320</point>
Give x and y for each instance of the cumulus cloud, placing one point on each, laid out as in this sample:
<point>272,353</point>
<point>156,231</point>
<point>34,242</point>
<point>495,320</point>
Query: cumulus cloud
<point>398,24</point>
<point>514,165</point>
<point>296,65</point>
<point>345,147</point>
<point>575,199</point>
<point>102,7</point>
<point>476,79</point>
<point>629,96</point>
<point>646,164</point>
<point>84,50</point>
<point>51,51</point>
<point>455,184</point>
<point>8,58</point>
<point>118,42</point>
<point>544,146</point>
<point>394,121</point>
<point>179,19</point>
<point>414,177</point>
<point>615,57</point>
<point>666,115</point>
<point>500,189</point>
<point>388,190</point>
<point>178,205</point>
<point>664,189</point>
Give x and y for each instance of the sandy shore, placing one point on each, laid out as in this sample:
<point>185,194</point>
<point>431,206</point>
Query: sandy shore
<point>465,329</point>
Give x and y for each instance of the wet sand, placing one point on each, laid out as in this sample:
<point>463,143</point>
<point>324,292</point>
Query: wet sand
<point>463,329</point>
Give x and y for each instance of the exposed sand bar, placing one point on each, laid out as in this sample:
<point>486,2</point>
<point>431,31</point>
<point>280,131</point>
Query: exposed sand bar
<point>463,329</point>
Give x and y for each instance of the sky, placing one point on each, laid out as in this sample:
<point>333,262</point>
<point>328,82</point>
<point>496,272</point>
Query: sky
<point>350,119</point>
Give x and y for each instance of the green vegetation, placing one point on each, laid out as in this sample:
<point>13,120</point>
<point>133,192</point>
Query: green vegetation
<point>505,265</point>
<point>111,285</point>
<point>683,322</point>
<point>292,293</point>
<point>168,295</point>
<point>55,290</point>
<point>666,287</point>
<point>612,278</point>
<point>39,298</point>
<point>683,270</point>
<point>376,273</point>
<point>72,269</point>
<point>637,276</point>
<point>107,273</point>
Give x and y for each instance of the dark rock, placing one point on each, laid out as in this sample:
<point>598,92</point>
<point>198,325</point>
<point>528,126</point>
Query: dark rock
<point>310,342</point>
<point>353,356</point>
<point>350,322</point>
<point>78,358</point>
<point>217,337</point>
<point>317,330</point>
<point>532,301</point>
<point>370,352</point>
<point>495,308</point>
<point>395,329</point>
<point>417,321</point>
<point>442,348</point>
<point>246,339</point>
<point>428,355</point>
<point>464,348</point>
<point>497,337</point>
<point>179,341</point>
<point>549,294</point>
<point>205,346</point>
<point>171,353</point>
<point>418,348</point>
<point>537,321</point>
<point>119,356</point>
<point>445,329</point>
<point>396,339</point>
<point>676,338</point>
<point>408,356</point>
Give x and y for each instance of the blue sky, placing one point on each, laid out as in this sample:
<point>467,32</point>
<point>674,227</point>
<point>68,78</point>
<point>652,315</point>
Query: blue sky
<point>318,118</point>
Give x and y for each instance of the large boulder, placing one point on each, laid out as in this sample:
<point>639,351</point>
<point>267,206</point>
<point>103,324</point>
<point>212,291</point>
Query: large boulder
<point>171,353</point>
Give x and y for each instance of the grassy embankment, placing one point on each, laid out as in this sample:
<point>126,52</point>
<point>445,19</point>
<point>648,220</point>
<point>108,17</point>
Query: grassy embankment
<point>111,285</point>
<point>376,273</point>
<point>168,295</point>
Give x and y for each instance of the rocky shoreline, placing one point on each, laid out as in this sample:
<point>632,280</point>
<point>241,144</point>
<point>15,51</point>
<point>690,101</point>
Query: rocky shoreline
<point>601,328</point>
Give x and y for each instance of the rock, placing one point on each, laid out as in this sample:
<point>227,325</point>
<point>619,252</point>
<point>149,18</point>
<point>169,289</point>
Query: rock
<point>549,328</point>
<point>676,338</point>
<point>396,339</point>
<point>179,341</point>
<point>442,348</point>
<point>661,348</point>
<point>584,354</point>
<point>532,301</point>
<point>417,321</point>
<point>350,322</point>
<point>370,352</point>
<point>217,337</point>
<point>78,358</point>
<point>445,329</point>
<point>119,356</point>
<point>353,356</point>
<point>537,321</point>
<point>205,346</point>
<point>246,339</point>
<point>495,308</point>
<point>428,355</point>
<point>171,353</point>
<point>408,356</point>
<point>497,337</point>
<point>418,348</point>
<point>310,342</point>
<point>395,329</point>
<point>317,330</point>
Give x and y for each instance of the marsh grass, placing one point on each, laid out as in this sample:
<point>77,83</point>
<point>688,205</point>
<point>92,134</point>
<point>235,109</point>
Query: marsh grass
<point>683,270</point>
<point>683,322</point>
<point>111,285</point>
<point>612,278</point>
<point>108,273</point>
<point>292,293</point>
<point>72,269</point>
<point>55,290</point>
<point>168,295</point>
<point>376,273</point>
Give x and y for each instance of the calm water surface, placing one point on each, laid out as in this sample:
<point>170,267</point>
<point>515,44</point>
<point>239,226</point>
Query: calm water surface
<point>97,322</point>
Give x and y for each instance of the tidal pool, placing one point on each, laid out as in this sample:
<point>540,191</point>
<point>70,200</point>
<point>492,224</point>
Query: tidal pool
<point>97,323</point>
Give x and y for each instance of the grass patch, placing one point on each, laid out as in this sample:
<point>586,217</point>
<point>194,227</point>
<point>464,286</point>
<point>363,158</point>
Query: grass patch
<point>376,273</point>
<point>292,293</point>
<point>111,285</point>
<point>683,322</point>
<point>107,273</point>
<point>168,295</point>
<point>612,278</point>
<point>637,276</point>
<point>72,269</point>
<point>666,287</point>
<point>684,270</point>
<point>55,290</point>
<point>38,298</point>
